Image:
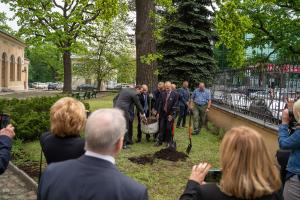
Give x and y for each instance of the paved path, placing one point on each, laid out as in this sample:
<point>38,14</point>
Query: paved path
<point>13,188</point>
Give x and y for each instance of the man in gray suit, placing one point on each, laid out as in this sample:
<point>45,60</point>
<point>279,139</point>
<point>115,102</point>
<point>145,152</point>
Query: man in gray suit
<point>127,98</point>
<point>93,176</point>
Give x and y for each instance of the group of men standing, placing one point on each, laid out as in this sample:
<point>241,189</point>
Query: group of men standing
<point>166,103</point>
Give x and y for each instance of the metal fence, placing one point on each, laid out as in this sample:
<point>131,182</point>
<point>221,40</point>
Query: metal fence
<point>260,92</point>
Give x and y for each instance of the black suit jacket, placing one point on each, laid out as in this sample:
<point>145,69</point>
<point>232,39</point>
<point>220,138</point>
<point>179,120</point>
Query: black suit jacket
<point>211,191</point>
<point>172,103</point>
<point>88,178</point>
<point>58,149</point>
<point>142,101</point>
<point>5,147</point>
<point>127,98</point>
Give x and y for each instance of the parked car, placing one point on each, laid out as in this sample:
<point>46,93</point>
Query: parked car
<point>53,86</point>
<point>260,95</point>
<point>39,85</point>
<point>86,87</point>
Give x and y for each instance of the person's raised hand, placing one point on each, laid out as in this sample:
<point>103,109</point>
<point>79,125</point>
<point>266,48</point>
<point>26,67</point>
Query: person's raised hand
<point>8,131</point>
<point>285,117</point>
<point>199,172</point>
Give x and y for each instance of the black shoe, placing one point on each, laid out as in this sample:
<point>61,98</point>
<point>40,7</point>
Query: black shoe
<point>148,138</point>
<point>138,141</point>
<point>177,126</point>
<point>129,143</point>
<point>157,144</point>
<point>195,133</point>
<point>126,147</point>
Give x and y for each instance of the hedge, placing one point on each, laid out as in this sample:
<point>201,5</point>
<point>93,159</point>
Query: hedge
<point>30,117</point>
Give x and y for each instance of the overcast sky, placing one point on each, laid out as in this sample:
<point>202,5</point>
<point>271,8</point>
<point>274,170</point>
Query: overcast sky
<point>5,8</point>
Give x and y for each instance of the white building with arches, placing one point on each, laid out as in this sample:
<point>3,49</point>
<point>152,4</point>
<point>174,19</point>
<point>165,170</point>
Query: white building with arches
<point>13,65</point>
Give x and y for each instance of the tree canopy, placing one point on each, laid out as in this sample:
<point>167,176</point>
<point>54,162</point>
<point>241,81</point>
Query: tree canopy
<point>3,24</point>
<point>105,45</point>
<point>270,23</point>
<point>63,23</point>
<point>186,46</point>
<point>45,63</point>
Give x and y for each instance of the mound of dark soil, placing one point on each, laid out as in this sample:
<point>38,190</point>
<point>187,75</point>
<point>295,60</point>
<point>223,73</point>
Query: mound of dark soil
<point>151,120</point>
<point>171,155</point>
<point>143,159</point>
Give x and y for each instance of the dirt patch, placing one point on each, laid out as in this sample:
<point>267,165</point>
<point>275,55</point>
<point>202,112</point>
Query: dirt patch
<point>142,160</point>
<point>151,120</point>
<point>163,154</point>
<point>30,168</point>
<point>171,155</point>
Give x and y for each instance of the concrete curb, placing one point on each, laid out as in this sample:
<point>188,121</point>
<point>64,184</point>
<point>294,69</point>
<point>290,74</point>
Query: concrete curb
<point>30,183</point>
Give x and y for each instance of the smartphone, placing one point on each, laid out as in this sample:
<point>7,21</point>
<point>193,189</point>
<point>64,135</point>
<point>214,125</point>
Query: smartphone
<point>213,176</point>
<point>4,120</point>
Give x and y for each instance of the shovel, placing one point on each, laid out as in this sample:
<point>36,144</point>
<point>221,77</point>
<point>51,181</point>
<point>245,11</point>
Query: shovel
<point>172,145</point>
<point>188,149</point>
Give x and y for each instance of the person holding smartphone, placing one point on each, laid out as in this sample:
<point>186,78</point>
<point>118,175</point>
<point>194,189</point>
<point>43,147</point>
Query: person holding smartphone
<point>248,171</point>
<point>288,141</point>
<point>6,136</point>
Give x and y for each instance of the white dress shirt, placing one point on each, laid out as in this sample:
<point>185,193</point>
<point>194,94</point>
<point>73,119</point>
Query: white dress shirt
<point>100,156</point>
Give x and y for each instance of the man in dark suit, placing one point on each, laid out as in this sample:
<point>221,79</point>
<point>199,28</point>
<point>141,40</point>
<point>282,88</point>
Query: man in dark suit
<point>145,102</point>
<point>127,98</point>
<point>93,176</point>
<point>184,97</point>
<point>167,113</point>
<point>6,135</point>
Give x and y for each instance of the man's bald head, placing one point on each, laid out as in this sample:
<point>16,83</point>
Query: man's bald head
<point>201,86</point>
<point>168,86</point>
<point>145,88</point>
<point>104,128</point>
<point>173,86</point>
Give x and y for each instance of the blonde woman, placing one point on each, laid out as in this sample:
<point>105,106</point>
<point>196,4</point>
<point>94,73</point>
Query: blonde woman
<point>67,118</point>
<point>248,171</point>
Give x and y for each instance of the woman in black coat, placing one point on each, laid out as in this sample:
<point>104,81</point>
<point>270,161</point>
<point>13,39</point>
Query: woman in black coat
<point>248,171</point>
<point>67,117</point>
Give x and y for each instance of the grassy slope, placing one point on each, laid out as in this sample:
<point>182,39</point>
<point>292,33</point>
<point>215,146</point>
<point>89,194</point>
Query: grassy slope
<point>165,180</point>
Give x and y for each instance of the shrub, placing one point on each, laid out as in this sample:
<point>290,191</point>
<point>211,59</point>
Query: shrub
<point>31,117</point>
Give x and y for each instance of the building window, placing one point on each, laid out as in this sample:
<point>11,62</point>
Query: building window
<point>19,69</point>
<point>12,68</point>
<point>4,71</point>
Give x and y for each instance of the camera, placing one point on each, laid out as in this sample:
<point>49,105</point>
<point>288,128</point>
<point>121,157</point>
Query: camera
<point>293,122</point>
<point>213,176</point>
<point>4,120</point>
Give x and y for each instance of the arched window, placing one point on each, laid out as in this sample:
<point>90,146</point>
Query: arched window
<point>4,70</point>
<point>12,69</point>
<point>19,69</point>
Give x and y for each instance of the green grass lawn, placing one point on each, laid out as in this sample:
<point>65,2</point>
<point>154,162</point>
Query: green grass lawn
<point>165,180</point>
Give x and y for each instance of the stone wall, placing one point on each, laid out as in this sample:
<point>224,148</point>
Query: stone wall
<point>226,119</point>
<point>13,64</point>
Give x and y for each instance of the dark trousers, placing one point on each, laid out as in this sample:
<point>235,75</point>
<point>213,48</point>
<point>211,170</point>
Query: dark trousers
<point>165,134</point>
<point>130,131</point>
<point>182,115</point>
<point>129,125</point>
<point>139,130</point>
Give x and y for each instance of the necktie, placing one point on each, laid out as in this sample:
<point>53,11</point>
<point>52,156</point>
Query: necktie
<point>146,104</point>
<point>166,104</point>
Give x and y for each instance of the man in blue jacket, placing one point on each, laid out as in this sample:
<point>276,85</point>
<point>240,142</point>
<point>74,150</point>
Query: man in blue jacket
<point>291,142</point>
<point>184,95</point>
<point>6,135</point>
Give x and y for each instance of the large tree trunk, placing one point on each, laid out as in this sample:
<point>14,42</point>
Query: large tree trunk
<point>67,71</point>
<point>145,43</point>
